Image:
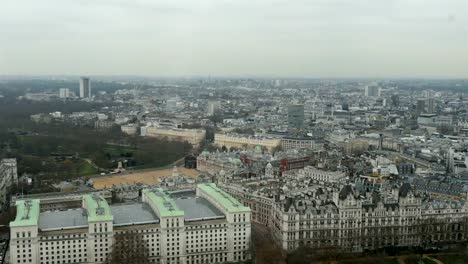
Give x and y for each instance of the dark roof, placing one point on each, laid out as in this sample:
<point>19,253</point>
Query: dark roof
<point>375,197</point>
<point>404,189</point>
<point>347,190</point>
<point>288,204</point>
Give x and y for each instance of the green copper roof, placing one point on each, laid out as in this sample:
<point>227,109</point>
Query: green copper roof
<point>228,202</point>
<point>258,149</point>
<point>27,213</point>
<point>97,208</point>
<point>163,202</point>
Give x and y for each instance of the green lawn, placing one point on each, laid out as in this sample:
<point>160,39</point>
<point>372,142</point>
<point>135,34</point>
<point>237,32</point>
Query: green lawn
<point>116,151</point>
<point>85,168</point>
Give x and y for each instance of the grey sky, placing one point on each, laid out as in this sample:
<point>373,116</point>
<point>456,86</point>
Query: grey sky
<point>297,38</point>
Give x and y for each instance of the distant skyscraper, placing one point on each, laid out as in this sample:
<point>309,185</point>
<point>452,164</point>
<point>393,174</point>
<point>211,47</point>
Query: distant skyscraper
<point>395,100</point>
<point>372,91</point>
<point>213,107</point>
<point>64,93</point>
<point>421,106</point>
<point>430,105</point>
<point>295,116</point>
<point>85,87</point>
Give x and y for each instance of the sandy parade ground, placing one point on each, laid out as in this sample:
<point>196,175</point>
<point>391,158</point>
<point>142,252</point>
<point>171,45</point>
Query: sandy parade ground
<point>148,177</point>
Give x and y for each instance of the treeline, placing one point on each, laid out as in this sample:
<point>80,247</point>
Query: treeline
<point>84,142</point>
<point>14,88</point>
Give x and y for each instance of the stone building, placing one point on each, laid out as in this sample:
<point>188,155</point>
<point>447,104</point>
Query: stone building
<point>208,226</point>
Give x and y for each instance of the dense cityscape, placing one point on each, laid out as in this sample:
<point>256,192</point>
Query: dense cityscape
<point>233,132</point>
<point>238,170</point>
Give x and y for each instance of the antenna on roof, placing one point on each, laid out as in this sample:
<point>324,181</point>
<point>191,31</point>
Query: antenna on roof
<point>27,207</point>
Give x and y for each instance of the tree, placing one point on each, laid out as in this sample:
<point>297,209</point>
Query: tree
<point>129,248</point>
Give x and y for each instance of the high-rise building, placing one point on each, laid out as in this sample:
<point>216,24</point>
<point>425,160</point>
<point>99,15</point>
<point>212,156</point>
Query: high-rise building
<point>85,87</point>
<point>213,107</point>
<point>395,100</point>
<point>295,116</point>
<point>430,106</point>
<point>421,106</point>
<point>64,93</point>
<point>372,91</point>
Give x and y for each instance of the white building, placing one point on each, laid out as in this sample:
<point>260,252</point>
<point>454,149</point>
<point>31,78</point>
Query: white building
<point>317,175</point>
<point>64,92</point>
<point>193,136</point>
<point>245,141</point>
<point>208,226</point>
<point>297,143</point>
<point>129,129</point>
<point>8,178</point>
<point>351,223</point>
<point>457,160</point>
<point>213,107</point>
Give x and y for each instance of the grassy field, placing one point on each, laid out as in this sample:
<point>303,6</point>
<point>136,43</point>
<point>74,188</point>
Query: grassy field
<point>50,168</point>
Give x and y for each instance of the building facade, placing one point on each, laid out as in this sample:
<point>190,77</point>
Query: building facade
<point>208,226</point>
<point>295,116</point>
<point>193,136</point>
<point>245,141</point>
<point>85,87</point>
<point>298,143</point>
<point>348,222</point>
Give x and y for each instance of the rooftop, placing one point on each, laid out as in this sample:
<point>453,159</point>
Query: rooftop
<point>225,200</point>
<point>197,208</point>
<point>27,213</point>
<point>163,202</point>
<point>56,220</point>
<point>133,214</point>
<point>97,208</point>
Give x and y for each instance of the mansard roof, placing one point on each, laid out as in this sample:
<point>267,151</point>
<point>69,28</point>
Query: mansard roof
<point>404,189</point>
<point>345,191</point>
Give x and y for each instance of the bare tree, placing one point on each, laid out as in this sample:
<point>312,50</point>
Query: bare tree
<point>129,249</point>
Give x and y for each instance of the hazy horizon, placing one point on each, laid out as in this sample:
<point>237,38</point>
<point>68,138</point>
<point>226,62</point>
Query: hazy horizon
<point>241,38</point>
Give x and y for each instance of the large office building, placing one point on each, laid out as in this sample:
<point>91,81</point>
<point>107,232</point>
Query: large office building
<point>206,226</point>
<point>240,141</point>
<point>193,136</point>
<point>85,87</point>
<point>295,116</point>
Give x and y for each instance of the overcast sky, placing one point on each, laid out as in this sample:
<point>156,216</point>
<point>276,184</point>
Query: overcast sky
<point>278,38</point>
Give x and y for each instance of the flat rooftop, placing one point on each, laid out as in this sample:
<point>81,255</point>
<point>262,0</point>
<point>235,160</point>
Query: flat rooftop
<point>57,220</point>
<point>196,208</point>
<point>163,202</point>
<point>229,203</point>
<point>27,213</point>
<point>133,214</point>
